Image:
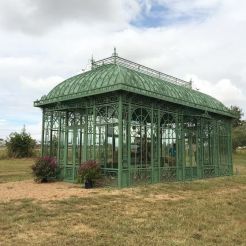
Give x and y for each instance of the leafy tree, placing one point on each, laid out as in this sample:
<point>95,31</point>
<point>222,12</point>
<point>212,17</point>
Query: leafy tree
<point>238,113</point>
<point>20,144</point>
<point>239,136</point>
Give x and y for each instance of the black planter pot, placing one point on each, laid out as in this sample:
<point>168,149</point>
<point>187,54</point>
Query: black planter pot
<point>44,180</point>
<point>88,184</point>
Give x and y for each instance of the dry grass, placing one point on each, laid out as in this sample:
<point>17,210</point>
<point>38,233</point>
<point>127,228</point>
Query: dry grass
<point>203,212</point>
<point>15,169</point>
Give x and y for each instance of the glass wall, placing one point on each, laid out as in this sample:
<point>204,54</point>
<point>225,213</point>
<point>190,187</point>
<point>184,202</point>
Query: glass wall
<point>157,143</point>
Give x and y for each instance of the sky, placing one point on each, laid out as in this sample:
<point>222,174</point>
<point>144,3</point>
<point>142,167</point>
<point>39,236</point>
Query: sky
<point>43,42</point>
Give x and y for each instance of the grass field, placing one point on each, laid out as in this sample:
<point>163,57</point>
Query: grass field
<point>202,212</point>
<point>15,169</point>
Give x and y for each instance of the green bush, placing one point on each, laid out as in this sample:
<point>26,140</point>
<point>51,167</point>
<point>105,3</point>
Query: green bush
<point>20,145</point>
<point>44,168</point>
<point>239,136</point>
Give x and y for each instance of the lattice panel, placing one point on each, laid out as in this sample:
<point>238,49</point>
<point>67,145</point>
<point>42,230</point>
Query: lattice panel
<point>138,176</point>
<point>168,174</point>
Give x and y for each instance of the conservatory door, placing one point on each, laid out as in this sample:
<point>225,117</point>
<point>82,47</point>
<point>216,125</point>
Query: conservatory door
<point>74,152</point>
<point>190,154</point>
<point>207,150</point>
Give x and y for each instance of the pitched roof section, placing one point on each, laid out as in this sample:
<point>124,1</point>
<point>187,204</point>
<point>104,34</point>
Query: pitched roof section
<point>114,74</point>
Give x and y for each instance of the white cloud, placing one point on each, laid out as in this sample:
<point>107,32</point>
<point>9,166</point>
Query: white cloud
<point>211,51</point>
<point>223,90</point>
<point>41,83</point>
<point>39,16</point>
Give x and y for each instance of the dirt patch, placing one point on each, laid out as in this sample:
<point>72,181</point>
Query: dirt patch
<point>82,228</point>
<point>164,197</point>
<point>33,235</point>
<point>230,190</point>
<point>28,189</point>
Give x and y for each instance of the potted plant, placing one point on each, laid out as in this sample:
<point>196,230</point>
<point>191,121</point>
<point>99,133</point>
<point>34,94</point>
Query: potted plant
<point>45,169</point>
<point>88,172</point>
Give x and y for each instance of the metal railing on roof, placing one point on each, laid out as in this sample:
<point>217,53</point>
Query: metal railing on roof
<point>115,59</point>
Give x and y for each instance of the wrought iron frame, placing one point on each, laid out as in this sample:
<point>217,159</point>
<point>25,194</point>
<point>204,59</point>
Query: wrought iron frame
<point>137,139</point>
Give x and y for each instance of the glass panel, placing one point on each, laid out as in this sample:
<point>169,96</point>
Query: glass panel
<point>168,141</point>
<point>112,146</point>
<point>190,128</point>
<point>70,147</point>
<point>54,143</point>
<point>62,146</point>
<point>90,135</point>
<point>79,146</point>
<point>140,138</point>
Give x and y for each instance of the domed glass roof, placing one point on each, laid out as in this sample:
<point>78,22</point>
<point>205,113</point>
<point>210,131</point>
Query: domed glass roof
<point>115,73</point>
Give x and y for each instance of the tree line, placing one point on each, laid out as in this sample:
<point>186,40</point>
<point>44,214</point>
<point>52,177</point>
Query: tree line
<point>21,144</point>
<point>238,128</point>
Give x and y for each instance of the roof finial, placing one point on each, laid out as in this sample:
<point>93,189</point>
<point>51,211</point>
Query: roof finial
<point>92,61</point>
<point>115,55</point>
<point>191,82</point>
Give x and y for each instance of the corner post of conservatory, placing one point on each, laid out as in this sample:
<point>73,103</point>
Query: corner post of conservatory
<point>199,148</point>
<point>94,129</point>
<point>152,145</point>
<point>178,149</point>
<point>85,148</point>
<point>182,145</point>
<point>42,134</point>
<point>51,133</point>
<point>229,139</point>
<point>215,148</point>
<point>159,143</point>
<point>120,105</point>
<point>66,143</point>
<point>59,137</point>
<point>129,118</point>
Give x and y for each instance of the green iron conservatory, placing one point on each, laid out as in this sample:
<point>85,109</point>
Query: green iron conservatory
<point>140,125</point>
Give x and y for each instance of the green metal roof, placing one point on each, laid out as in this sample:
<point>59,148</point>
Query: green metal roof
<point>115,73</point>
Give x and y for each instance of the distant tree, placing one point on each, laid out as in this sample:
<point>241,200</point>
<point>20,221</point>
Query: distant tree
<point>238,114</point>
<point>239,136</point>
<point>20,144</point>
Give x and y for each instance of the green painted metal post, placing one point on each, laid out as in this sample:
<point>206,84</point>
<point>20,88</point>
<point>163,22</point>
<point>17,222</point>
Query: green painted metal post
<point>215,149</point>
<point>42,135</point>
<point>51,133</point>
<point>120,142</point>
<point>198,150</point>
<point>152,145</point>
<point>159,143</point>
<point>59,139</point>
<point>94,131</point>
<point>129,142</point>
<point>229,130</point>
<point>66,145</point>
<point>75,132</point>
<point>85,147</point>
<point>182,149</point>
<point>177,134</point>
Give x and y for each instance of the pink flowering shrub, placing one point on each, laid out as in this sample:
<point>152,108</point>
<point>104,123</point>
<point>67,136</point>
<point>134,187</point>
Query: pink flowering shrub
<point>88,170</point>
<point>44,168</point>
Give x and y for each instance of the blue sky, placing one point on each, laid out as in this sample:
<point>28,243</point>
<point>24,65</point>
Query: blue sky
<point>203,40</point>
<point>159,15</point>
